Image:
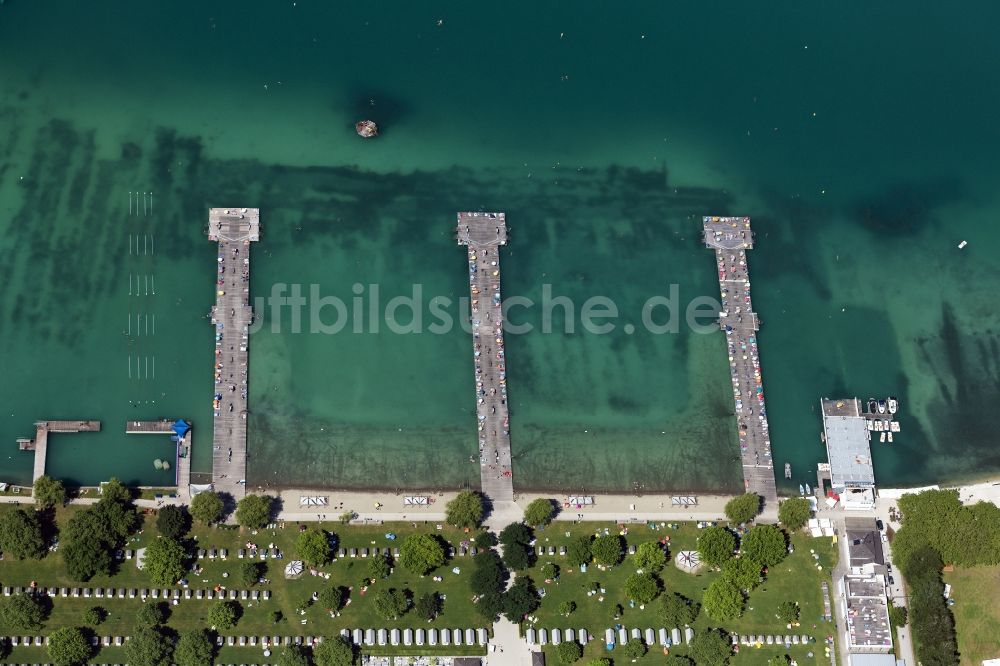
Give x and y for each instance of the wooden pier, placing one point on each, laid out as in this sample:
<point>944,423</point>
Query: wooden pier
<point>40,445</point>
<point>483,234</point>
<point>731,237</point>
<point>160,427</point>
<point>234,229</point>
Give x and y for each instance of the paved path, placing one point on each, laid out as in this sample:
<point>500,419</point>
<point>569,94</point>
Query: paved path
<point>234,229</point>
<point>484,233</point>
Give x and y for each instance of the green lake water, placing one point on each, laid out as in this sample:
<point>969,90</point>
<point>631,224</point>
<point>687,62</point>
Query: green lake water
<point>861,141</point>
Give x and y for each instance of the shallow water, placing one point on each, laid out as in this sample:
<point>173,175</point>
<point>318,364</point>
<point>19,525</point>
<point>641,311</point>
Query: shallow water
<point>860,141</point>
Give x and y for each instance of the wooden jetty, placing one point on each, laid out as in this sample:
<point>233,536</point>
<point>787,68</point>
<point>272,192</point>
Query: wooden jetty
<point>731,237</point>
<point>158,427</point>
<point>234,229</point>
<point>40,445</point>
<point>483,234</point>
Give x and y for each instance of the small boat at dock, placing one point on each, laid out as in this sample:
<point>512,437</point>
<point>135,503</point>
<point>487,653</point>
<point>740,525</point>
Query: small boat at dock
<point>881,406</point>
<point>872,405</point>
<point>802,490</point>
<point>788,470</point>
<point>893,405</point>
<point>808,490</point>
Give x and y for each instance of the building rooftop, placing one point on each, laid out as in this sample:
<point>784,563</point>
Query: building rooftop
<point>867,614</point>
<point>847,446</point>
<point>872,660</point>
<point>864,543</point>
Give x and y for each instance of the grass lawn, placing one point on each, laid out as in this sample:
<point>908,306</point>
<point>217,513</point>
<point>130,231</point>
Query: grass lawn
<point>977,614</point>
<point>458,609</point>
<point>795,579</point>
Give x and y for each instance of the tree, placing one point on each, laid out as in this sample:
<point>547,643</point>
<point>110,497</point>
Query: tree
<point>421,554</point>
<point>517,556</point>
<point>649,556</point>
<point>48,492</point>
<point>743,508</point>
<point>173,521</point>
<point>118,519</point>
<point>516,533</point>
<point>642,588</point>
<point>788,612</point>
<point>679,660</point>
<point>723,601</point>
<point>634,648</point>
<point>550,571</point>
<point>331,598</point>
<point>716,545</point>
<point>250,573</point>
<point>293,655</point>
<point>520,599</point>
<point>781,660</point>
<point>378,566</point>
<point>607,549</point>
<point>599,662</point>
<point>194,648</point>
<point>254,511</point>
<point>207,507</point>
<point>578,552</point>
<point>337,651</point>
<point>794,513</point>
<point>488,575</point>
<point>465,510</point>
<point>897,615</point>
<point>491,605</point>
<point>485,540</point>
<point>569,651</point>
<point>566,608</point>
<point>711,648</point>
<point>390,603</point>
<point>23,612</point>
<point>93,616</point>
<point>539,512</point>
<point>164,561</point>
<point>151,614</point>
<point>68,647</point>
<point>428,605</point>
<point>21,534</point>
<point>225,614</point>
<point>743,572</point>
<point>313,546</point>
<point>115,492</point>
<point>677,610</point>
<point>764,543</point>
<point>85,556</point>
<point>148,647</point>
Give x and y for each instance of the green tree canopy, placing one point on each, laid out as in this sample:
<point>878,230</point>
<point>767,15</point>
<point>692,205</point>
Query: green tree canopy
<point>723,601</point>
<point>335,651</point>
<point>428,605</point>
<point>225,614</point>
<point>485,539</point>
<point>788,611</point>
<point>897,615</point>
<point>207,507</point>
<point>331,598</point>
<point>93,616</point>
<point>634,648</point>
<point>764,543</point>
<point>151,614</point>
<point>48,492</point>
<point>539,512</point>
<point>516,533</point>
<point>421,553</point>
<point>173,521</point>
<point>378,566</point>
<point>743,508</point>
<point>254,511</point>
<point>578,552</point>
<point>390,603</point>
<point>711,648</point>
<point>250,573</point>
<point>716,545</point>
<point>679,660</point>
<point>115,492</point>
<point>650,556</point>
<point>794,513</point>
<point>21,534</point>
<point>607,549</point>
<point>85,555</point>
<point>194,648</point>
<point>23,612</point>
<point>164,561</point>
<point>293,655</point>
<point>68,647</point>
<point>676,610</point>
<point>148,647</point>
<point>642,588</point>
<point>520,599</point>
<point>518,556</point>
<point>465,510</point>
<point>313,546</point>
<point>549,571</point>
<point>569,651</point>
<point>744,572</point>
<point>781,660</point>
<point>567,607</point>
<point>603,661</point>
<point>488,575</point>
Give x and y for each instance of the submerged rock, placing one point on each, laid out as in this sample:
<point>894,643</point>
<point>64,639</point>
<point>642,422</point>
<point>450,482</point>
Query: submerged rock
<point>366,129</point>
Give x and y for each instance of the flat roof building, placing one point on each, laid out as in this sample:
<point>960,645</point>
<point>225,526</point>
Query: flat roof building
<point>848,449</point>
<point>867,610</point>
<point>872,660</point>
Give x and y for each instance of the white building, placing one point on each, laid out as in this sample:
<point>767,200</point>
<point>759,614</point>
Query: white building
<point>867,610</point>
<point>852,475</point>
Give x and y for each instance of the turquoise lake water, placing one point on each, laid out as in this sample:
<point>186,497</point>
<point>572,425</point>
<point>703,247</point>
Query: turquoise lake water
<point>861,140</point>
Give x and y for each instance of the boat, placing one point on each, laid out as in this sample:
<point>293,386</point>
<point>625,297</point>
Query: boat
<point>808,490</point>
<point>881,406</point>
<point>802,490</point>
<point>788,470</point>
<point>881,437</point>
<point>890,436</point>
<point>871,405</point>
<point>893,405</point>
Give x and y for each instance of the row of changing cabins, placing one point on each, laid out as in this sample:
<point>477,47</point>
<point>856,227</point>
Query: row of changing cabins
<point>649,636</point>
<point>139,593</point>
<point>432,636</point>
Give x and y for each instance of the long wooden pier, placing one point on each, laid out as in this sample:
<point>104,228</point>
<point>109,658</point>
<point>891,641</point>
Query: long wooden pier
<point>484,233</point>
<point>731,237</point>
<point>40,445</point>
<point>234,229</point>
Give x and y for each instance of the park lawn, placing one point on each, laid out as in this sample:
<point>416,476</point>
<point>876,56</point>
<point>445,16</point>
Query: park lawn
<point>977,614</point>
<point>287,595</point>
<point>795,579</point>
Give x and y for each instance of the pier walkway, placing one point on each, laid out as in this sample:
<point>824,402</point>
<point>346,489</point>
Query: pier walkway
<point>40,445</point>
<point>484,233</point>
<point>731,237</point>
<point>234,229</point>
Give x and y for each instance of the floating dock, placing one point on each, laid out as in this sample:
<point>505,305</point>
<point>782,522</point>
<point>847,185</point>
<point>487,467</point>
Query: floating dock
<point>731,237</point>
<point>40,445</point>
<point>234,229</point>
<point>483,234</point>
